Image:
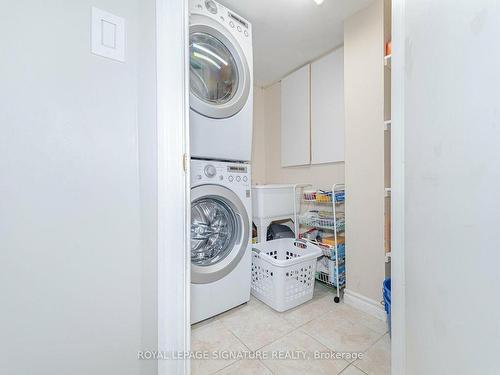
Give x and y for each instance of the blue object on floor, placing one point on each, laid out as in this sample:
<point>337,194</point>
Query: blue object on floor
<point>387,301</point>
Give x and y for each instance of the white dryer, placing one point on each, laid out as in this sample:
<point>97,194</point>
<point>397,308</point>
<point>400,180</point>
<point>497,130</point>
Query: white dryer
<point>221,209</point>
<point>221,82</point>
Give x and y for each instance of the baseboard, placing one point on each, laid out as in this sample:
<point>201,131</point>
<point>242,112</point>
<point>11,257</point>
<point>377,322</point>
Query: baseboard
<point>364,304</point>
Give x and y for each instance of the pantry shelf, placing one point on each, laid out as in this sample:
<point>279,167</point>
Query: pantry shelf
<point>324,197</point>
<point>331,266</point>
<point>313,201</point>
<point>329,224</point>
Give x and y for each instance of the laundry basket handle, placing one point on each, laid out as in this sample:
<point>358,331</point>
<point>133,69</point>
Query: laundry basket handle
<point>301,243</point>
<point>262,254</point>
<point>255,250</point>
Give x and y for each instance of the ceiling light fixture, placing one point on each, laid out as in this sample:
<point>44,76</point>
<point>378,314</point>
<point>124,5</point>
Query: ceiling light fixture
<point>318,2</point>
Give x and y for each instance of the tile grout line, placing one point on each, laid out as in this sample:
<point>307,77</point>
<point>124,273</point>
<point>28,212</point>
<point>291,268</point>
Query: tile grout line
<point>359,369</point>
<point>215,319</point>
<point>288,332</point>
<point>319,342</point>
<point>349,320</point>
<point>295,329</point>
<point>246,346</point>
<point>260,347</point>
<point>230,363</point>
<point>264,364</point>
<point>371,329</point>
<point>378,340</point>
<point>359,322</point>
<point>352,365</point>
<point>240,341</point>
<point>298,328</point>
<point>371,346</point>
<point>277,339</point>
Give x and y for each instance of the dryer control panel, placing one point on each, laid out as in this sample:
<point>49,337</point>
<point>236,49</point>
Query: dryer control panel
<point>223,15</point>
<point>222,173</point>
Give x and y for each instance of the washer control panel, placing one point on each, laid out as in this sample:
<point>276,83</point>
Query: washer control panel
<point>224,173</point>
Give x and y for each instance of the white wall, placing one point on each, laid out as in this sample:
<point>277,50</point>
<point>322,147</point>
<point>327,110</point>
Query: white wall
<point>71,277</point>
<point>364,165</point>
<point>266,157</point>
<point>148,181</point>
<point>452,184</point>
<point>259,137</point>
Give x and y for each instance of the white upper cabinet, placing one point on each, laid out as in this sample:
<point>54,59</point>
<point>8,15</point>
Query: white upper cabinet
<point>327,108</point>
<point>295,119</point>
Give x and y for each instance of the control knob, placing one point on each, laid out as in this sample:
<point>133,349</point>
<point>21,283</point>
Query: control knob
<point>210,171</point>
<point>211,7</point>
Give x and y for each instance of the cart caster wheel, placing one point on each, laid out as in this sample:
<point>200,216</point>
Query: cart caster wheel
<point>336,299</point>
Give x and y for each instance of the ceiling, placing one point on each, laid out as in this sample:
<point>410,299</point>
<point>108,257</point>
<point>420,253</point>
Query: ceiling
<point>289,33</point>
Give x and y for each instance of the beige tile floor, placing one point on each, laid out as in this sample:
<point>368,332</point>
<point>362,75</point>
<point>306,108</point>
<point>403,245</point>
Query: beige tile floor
<point>318,326</point>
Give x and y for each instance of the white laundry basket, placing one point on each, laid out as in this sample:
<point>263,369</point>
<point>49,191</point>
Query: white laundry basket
<point>283,272</point>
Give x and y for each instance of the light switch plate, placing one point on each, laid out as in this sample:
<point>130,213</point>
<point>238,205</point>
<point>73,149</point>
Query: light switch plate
<point>108,35</point>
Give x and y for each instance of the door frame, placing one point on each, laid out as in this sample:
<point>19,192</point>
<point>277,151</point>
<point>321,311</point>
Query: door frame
<point>172,24</point>
<point>172,120</point>
<point>398,308</point>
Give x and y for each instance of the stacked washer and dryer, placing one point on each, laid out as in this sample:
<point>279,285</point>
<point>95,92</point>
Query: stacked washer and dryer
<point>221,107</point>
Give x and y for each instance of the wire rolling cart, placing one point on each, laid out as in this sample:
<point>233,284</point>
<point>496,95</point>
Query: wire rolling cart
<point>324,225</point>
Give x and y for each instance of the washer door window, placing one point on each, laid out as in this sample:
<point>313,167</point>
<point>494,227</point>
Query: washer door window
<point>219,74</point>
<point>219,232</point>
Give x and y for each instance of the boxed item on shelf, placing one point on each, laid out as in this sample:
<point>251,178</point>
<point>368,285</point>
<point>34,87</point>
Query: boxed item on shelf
<point>310,195</point>
<point>326,268</point>
<point>341,252</point>
<point>322,196</point>
<point>340,196</point>
<point>330,240</point>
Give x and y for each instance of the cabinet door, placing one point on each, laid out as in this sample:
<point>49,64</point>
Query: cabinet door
<point>295,119</point>
<point>327,109</point>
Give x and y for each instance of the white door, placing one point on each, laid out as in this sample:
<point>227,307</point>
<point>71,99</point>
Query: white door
<point>295,119</point>
<point>327,108</point>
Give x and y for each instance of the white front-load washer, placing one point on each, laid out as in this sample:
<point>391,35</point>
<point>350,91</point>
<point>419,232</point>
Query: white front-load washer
<point>221,227</point>
<point>221,82</point>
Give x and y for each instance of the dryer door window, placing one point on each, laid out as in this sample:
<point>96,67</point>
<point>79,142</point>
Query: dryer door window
<point>219,75</point>
<point>213,71</point>
<point>219,232</point>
